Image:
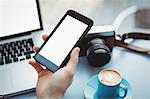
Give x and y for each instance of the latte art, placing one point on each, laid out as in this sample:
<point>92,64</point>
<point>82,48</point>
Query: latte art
<point>109,77</point>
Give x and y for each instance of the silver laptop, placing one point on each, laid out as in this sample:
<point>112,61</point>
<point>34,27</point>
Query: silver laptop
<point>18,18</point>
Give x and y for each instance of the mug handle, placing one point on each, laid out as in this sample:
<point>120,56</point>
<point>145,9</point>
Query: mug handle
<point>125,90</point>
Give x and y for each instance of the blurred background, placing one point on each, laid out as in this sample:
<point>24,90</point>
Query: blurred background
<point>101,11</point>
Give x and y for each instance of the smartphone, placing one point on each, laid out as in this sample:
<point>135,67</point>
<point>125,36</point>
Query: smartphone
<point>55,52</point>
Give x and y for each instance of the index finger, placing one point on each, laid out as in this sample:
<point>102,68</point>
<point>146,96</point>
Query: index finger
<point>36,66</point>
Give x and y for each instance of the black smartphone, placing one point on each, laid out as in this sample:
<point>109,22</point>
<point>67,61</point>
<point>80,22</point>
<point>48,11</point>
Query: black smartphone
<point>55,52</point>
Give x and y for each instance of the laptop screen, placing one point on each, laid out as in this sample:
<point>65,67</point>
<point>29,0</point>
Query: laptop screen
<point>19,16</point>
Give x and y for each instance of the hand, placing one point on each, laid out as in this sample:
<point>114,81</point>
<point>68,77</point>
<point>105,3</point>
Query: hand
<point>53,85</point>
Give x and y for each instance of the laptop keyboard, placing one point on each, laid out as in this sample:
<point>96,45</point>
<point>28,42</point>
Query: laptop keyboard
<point>16,51</point>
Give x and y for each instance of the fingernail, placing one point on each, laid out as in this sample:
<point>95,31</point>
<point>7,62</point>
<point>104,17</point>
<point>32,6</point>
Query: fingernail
<point>31,62</point>
<point>78,51</point>
<point>35,49</point>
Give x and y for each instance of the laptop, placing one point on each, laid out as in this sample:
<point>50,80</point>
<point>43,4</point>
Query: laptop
<point>19,21</point>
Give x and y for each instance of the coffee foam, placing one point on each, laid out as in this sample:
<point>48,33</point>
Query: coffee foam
<point>110,77</point>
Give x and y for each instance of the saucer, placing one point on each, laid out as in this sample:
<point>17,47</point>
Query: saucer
<point>90,90</point>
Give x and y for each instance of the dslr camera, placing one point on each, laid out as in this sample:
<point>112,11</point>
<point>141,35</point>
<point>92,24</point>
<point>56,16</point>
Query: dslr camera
<point>97,47</point>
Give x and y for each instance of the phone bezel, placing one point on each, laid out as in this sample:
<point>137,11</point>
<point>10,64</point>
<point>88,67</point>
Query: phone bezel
<point>77,16</point>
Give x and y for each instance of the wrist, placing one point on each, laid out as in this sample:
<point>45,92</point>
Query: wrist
<point>56,96</point>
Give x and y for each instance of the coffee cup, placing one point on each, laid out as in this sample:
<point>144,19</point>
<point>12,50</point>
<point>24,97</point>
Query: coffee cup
<point>110,86</point>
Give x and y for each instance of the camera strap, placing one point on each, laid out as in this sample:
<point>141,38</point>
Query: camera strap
<point>133,35</point>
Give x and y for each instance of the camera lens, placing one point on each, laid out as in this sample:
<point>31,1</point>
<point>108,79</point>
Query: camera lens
<point>98,54</point>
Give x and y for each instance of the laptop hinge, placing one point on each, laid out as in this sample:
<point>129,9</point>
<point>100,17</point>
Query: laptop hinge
<point>15,35</point>
<point>1,96</point>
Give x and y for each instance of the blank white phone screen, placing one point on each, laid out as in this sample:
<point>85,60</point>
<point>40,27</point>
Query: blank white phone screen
<point>64,38</point>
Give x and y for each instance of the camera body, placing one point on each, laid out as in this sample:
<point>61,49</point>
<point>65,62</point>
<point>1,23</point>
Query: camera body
<point>97,47</point>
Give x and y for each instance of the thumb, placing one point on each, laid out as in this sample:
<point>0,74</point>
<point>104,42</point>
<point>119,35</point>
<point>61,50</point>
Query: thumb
<point>72,63</point>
